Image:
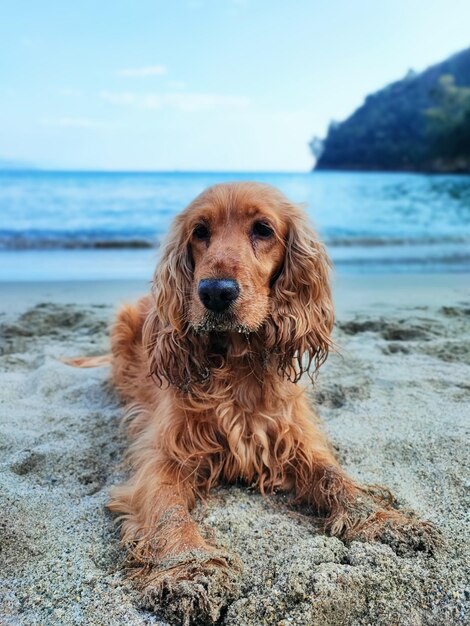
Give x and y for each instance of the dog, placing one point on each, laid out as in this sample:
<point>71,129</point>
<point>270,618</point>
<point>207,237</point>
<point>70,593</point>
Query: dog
<point>210,366</point>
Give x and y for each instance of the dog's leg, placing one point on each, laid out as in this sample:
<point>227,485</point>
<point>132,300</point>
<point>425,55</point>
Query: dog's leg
<point>350,510</point>
<point>180,574</point>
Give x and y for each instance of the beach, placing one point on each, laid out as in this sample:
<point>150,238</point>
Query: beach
<point>394,398</point>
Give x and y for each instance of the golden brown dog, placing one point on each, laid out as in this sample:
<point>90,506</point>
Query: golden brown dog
<point>208,366</point>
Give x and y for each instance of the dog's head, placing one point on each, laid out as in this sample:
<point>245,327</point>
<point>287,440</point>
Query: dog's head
<point>240,259</point>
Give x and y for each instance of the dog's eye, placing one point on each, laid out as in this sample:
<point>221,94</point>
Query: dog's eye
<point>262,230</point>
<point>201,232</point>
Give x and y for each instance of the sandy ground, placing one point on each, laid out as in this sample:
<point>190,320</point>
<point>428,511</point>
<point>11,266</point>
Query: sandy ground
<point>396,403</point>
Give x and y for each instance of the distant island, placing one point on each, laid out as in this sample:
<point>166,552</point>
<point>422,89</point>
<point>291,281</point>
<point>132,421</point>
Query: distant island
<point>419,123</point>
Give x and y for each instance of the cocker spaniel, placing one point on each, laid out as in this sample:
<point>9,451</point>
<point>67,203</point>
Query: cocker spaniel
<point>210,368</point>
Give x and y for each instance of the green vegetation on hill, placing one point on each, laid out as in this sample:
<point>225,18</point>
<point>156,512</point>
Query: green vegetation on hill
<point>420,123</point>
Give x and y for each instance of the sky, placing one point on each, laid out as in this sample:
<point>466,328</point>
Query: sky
<point>202,85</point>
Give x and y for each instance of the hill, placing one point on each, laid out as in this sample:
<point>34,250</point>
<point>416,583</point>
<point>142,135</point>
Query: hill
<point>419,123</point>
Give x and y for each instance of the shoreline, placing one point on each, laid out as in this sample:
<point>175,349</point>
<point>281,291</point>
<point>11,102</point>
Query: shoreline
<point>114,264</point>
<point>351,291</point>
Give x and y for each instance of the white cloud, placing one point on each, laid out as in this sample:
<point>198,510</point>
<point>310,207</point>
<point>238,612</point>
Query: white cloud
<point>73,122</point>
<point>119,98</point>
<point>181,101</point>
<point>193,101</point>
<point>142,72</point>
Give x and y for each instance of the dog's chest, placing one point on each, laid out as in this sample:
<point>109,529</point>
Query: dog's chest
<point>246,424</point>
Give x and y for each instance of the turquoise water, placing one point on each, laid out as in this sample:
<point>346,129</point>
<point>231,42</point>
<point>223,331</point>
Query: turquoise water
<point>67,225</point>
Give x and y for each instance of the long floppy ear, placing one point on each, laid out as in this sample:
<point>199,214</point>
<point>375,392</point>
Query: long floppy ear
<point>176,354</point>
<point>302,317</point>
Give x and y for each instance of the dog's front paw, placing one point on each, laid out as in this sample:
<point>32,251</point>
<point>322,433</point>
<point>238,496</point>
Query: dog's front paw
<point>193,587</point>
<point>408,536</point>
<point>405,534</point>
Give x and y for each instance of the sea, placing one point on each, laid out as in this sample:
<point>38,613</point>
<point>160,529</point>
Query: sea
<point>109,225</point>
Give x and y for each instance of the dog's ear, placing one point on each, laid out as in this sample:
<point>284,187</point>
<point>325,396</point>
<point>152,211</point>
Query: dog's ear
<point>176,354</point>
<point>301,320</point>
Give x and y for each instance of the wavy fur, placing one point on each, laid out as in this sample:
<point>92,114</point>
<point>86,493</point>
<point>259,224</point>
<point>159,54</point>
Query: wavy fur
<point>215,399</point>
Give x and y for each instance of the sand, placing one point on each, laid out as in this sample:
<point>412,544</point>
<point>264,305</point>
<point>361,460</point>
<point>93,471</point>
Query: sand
<point>395,401</point>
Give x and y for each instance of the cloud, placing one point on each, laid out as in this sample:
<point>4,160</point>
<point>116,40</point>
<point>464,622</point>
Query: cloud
<point>194,101</point>
<point>141,72</point>
<point>73,122</point>
<point>181,101</point>
<point>120,98</point>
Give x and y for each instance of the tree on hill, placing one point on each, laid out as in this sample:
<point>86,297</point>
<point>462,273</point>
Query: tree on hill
<point>417,123</point>
<point>448,122</point>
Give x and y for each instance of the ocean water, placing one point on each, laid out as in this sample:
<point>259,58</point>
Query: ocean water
<point>88,225</point>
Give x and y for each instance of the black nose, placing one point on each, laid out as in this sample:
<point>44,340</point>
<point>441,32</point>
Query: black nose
<point>218,293</point>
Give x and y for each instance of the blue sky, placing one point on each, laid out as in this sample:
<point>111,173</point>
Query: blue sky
<point>202,84</point>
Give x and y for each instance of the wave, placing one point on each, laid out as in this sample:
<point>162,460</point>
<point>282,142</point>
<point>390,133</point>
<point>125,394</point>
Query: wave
<point>462,260</point>
<point>372,242</point>
<point>104,241</point>
<point>45,242</point>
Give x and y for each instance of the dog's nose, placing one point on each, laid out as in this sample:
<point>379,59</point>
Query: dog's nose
<point>217,294</point>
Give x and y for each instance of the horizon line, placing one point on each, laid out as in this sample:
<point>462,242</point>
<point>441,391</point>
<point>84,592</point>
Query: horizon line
<point>54,170</point>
